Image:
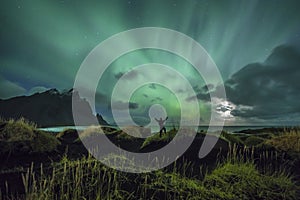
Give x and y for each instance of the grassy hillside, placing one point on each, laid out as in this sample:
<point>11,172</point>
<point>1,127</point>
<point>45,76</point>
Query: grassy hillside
<point>87,178</point>
<point>21,137</point>
<point>256,166</point>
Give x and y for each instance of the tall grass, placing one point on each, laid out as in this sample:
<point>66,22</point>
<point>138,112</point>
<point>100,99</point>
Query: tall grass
<point>235,178</point>
<point>245,173</point>
<point>288,141</point>
<point>232,139</point>
<point>16,130</point>
<point>21,136</point>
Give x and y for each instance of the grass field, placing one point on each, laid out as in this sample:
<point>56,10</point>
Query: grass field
<point>57,167</point>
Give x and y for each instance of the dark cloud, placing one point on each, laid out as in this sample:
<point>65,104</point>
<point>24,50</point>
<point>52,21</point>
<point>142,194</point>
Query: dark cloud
<point>119,75</point>
<point>200,96</point>
<point>120,105</point>
<point>127,75</point>
<point>10,89</point>
<point>102,98</point>
<point>133,105</point>
<point>202,93</point>
<point>196,88</point>
<point>152,86</point>
<point>180,91</point>
<point>270,89</point>
<point>207,88</point>
<point>224,108</point>
<point>156,99</point>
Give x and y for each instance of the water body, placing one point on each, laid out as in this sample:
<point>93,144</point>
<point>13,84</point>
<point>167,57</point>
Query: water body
<point>62,128</point>
<point>231,129</point>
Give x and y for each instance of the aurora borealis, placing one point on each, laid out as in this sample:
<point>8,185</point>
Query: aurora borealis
<point>255,45</point>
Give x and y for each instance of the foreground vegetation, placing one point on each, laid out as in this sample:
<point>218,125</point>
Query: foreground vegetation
<point>87,178</point>
<point>21,137</point>
<point>258,166</point>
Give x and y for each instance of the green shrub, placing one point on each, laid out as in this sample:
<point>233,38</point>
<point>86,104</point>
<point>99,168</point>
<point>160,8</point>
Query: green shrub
<point>175,186</point>
<point>288,141</point>
<point>253,141</point>
<point>17,130</point>
<point>44,142</point>
<point>21,136</point>
<point>15,147</point>
<point>68,136</point>
<point>231,138</point>
<point>91,131</point>
<point>244,181</point>
<point>266,135</point>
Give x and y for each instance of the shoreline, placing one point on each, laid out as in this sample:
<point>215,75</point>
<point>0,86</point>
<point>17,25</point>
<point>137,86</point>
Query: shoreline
<point>230,129</point>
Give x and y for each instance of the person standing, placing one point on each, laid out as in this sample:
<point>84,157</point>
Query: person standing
<point>161,124</point>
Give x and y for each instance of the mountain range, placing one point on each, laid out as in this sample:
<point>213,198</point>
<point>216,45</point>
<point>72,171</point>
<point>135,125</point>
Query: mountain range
<point>48,109</point>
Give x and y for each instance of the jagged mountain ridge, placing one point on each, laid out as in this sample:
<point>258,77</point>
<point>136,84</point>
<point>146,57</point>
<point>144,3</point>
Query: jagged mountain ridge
<point>46,109</point>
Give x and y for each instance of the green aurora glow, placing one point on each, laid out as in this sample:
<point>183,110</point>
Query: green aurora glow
<point>43,43</point>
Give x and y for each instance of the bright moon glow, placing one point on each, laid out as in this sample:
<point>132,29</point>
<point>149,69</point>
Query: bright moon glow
<point>252,43</point>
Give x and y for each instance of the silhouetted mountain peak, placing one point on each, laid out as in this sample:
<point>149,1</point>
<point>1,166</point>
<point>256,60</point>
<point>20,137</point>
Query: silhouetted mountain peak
<point>52,91</point>
<point>49,108</point>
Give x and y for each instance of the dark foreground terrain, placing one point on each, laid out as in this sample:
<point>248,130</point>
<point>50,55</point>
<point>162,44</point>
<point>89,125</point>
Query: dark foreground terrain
<point>42,165</point>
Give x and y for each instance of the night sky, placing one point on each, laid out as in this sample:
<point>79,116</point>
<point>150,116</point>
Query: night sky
<point>255,44</point>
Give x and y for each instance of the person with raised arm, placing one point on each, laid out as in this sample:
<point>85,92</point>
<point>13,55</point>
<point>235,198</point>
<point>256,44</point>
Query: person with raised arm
<point>161,124</point>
